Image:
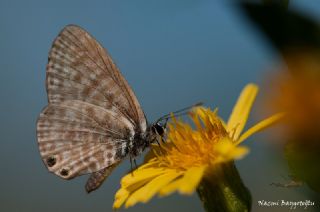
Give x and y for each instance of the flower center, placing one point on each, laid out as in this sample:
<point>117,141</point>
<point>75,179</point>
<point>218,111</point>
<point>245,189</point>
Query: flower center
<point>187,147</point>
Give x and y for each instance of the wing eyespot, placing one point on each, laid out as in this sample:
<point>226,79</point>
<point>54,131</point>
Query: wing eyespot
<point>64,172</point>
<point>51,161</point>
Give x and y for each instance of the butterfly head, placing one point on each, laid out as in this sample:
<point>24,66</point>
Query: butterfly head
<point>159,128</point>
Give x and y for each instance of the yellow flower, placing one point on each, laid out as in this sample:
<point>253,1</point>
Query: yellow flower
<point>188,154</point>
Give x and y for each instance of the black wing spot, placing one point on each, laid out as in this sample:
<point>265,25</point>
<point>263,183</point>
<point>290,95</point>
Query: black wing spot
<point>51,161</point>
<point>64,172</point>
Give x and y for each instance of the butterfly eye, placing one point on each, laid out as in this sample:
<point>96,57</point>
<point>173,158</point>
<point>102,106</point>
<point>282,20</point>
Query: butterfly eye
<point>51,161</point>
<point>64,172</point>
<point>159,129</point>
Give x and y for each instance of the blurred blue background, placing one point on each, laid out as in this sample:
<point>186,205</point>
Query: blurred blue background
<point>173,54</point>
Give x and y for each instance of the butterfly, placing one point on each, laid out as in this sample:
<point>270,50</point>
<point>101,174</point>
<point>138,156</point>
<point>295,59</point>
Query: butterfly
<point>93,120</point>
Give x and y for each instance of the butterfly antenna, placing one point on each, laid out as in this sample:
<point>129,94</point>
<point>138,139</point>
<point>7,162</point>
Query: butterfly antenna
<point>178,112</point>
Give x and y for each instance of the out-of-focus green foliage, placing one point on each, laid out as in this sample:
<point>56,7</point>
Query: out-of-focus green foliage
<point>303,158</point>
<point>281,3</point>
<point>287,30</point>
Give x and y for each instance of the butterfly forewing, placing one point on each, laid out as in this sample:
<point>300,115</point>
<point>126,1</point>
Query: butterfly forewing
<point>80,68</point>
<point>92,112</point>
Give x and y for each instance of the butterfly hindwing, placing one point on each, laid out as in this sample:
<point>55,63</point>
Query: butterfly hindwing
<point>79,137</point>
<point>97,178</point>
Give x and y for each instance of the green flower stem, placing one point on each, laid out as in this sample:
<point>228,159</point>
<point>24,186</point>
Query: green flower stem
<point>223,190</point>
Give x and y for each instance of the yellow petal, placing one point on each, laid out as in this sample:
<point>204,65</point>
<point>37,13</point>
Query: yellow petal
<point>140,175</point>
<point>145,193</point>
<point>241,110</point>
<point>187,183</point>
<point>129,188</point>
<point>228,150</point>
<point>261,125</point>
<point>171,187</point>
<point>191,179</point>
<point>238,152</point>
<point>120,197</point>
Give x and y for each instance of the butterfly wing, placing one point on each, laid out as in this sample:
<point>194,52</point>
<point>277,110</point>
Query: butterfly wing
<point>97,178</point>
<point>77,137</point>
<point>92,111</point>
<point>79,68</point>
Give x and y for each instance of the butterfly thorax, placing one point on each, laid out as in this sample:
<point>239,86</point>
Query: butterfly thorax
<point>141,140</point>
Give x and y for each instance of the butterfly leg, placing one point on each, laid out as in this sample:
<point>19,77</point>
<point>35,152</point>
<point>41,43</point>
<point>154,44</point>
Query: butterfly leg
<point>158,142</point>
<point>165,129</point>
<point>135,163</point>
<point>131,168</point>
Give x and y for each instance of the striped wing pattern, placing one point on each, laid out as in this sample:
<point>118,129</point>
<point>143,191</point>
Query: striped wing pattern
<point>80,137</point>
<point>79,68</point>
<point>92,111</point>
